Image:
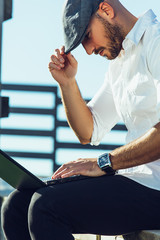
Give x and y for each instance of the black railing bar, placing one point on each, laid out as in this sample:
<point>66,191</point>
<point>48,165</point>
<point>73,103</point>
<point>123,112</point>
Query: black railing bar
<point>62,123</point>
<point>27,132</point>
<point>30,155</point>
<point>80,146</point>
<point>32,110</point>
<point>59,100</point>
<point>34,88</point>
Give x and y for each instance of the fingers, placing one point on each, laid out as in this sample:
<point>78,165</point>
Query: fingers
<point>70,169</point>
<point>59,56</point>
<point>60,60</point>
<point>66,170</point>
<point>62,50</point>
<point>64,173</point>
<point>53,66</point>
<point>57,60</point>
<point>71,59</point>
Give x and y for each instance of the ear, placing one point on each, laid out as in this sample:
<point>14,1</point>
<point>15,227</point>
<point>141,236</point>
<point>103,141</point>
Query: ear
<point>107,9</point>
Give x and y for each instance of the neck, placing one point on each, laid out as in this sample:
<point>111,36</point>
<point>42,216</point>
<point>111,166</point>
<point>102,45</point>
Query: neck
<point>123,17</point>
<point>127,20</point>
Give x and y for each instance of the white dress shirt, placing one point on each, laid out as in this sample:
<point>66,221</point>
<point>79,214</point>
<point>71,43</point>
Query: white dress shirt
<point>131,92</point>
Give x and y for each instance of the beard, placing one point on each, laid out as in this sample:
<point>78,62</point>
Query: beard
<point>114,35</point>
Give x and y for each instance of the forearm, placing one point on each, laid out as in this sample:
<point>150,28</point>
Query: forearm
<point>141,151</point>
<point>78,114</point>
<point>63,69</point>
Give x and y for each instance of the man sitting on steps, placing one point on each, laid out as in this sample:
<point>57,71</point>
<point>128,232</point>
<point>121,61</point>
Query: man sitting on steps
<point>124,194</point>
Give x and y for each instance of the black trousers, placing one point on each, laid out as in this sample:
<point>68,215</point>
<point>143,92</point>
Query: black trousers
<point>107,205</point>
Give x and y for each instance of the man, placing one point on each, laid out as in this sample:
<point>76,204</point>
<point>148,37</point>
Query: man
<point>108,203</point>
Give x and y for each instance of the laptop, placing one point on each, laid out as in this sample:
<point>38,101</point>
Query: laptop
<point>20,178</point>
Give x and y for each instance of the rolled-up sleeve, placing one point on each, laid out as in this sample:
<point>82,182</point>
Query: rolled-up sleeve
<point>103,111</point>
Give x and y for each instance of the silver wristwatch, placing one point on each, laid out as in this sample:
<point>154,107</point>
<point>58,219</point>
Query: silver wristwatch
<point>104,163</point>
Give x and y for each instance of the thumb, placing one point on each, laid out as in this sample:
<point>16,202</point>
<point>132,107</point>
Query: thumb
<point>72,59</point>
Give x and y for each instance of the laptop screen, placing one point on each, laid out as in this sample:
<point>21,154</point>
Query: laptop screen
<point>16,175</point>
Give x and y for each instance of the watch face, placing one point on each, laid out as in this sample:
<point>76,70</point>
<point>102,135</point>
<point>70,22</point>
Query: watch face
<point>105,164</point>
<point>104,161</point>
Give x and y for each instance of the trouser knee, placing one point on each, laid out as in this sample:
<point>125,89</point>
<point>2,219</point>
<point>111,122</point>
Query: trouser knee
<point>8,207</point>
<point>43,203</point>
<point>15,208</point>
<point>42,210</point>
<point>46,215</point>
<point>5,212</point>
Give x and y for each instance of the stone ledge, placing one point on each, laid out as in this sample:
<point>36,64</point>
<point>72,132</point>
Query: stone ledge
<point>144,235</point>
<point>95,237</point>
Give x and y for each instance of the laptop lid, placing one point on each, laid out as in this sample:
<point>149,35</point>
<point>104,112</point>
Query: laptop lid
<point>16,175</point>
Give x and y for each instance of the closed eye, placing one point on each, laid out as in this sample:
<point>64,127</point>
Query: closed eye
<point>87,35</point>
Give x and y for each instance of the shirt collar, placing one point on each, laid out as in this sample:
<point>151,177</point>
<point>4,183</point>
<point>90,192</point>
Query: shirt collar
<point>139,28</point>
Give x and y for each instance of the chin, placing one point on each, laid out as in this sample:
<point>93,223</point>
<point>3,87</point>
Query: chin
<point>112,55</point>
<point>109,57</point>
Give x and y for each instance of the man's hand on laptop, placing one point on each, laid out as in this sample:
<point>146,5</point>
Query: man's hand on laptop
<point>82,166</point>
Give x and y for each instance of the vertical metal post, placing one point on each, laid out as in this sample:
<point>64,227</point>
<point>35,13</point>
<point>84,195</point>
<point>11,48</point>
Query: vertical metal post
<point>1,21</point>
<point>55,131</point>
<point>98,237</point>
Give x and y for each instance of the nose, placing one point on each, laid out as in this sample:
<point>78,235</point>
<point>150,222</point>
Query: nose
<point>88,47</point>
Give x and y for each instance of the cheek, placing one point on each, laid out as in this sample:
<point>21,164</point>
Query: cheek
<point>100,40</point>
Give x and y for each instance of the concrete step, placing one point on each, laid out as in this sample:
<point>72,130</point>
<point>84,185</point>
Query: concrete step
<point>94,237</point>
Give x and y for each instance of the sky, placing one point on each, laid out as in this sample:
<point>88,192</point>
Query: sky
<point>29,39</point>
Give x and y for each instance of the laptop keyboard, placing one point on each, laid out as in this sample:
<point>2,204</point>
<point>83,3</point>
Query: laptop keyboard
<point>67,179</point>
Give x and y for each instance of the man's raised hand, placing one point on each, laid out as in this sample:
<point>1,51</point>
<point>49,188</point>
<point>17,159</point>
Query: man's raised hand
<point>63,67</point>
